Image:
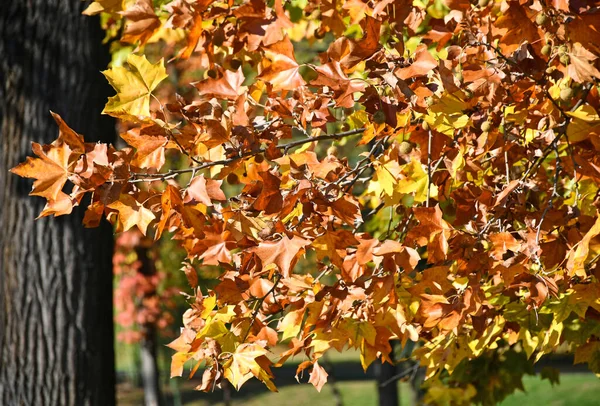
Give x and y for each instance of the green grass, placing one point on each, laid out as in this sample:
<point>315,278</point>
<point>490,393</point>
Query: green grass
<point>579,389</point>
<point>574,389</point>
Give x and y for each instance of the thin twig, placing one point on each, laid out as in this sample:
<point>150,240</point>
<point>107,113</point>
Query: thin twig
<point>551,200</point>
<point>401,375</point>
<point>172,173</point>
<point>259,304</point>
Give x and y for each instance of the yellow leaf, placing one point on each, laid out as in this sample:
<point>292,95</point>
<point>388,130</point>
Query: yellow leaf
<point>244,363</point>
<point>290,324</point>
<point>577,257</point>
<point>134,86</point>
<point>209,303</point>
<point>584,120</point>
<point>415,182</point>
<point>104,6</point>
<point>446,114</point>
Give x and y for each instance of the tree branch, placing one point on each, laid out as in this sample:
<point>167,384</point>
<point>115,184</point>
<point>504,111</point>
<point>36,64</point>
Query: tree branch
<point>172,173</point>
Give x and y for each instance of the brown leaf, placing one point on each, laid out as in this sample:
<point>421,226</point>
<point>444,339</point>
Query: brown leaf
<point>422,65</point>
<point>280,68</point>
<point>318,376</point>
<point>49,170</point>
<point>283,253</point>
<point>141,23</point>
<point>581,68</point>
<point>131,213</point>
<point>228,86</point>
<point>204,190</point>
<point>149,142</point>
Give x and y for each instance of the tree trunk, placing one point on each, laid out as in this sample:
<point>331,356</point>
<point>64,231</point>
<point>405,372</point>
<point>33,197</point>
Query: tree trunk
<point>149,344</point>
<point>387,384</point>
<point>56,319</point>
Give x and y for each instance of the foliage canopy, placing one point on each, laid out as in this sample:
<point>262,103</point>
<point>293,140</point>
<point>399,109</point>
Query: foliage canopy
<point>468,223</point>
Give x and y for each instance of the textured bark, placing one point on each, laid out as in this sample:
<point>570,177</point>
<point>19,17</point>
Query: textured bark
<point>56,329</point>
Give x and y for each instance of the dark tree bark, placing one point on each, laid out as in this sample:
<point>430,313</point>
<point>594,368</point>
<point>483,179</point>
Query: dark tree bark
<point>56,321</point>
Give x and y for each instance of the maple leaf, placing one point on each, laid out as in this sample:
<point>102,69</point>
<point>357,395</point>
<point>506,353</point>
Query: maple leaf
<point>204,191</point>
<point>66,135</point>
<point>422,65</point>
<point>280,68</point>
<point>516,28</point>
<point>50,170</point>
<point>581,68</point>
<point>332,75</point>
<point>228,86</point>
<point>62,205</point>
<point>132,213</point>
<point>149,142</point>
<point>291,323</point>
<point>104,6</point>
<point>432,231</point>
<point>142,22</point>
<point>318,376</point>
<point>583,28</point>
<point>134,85</point>
<point>283,253</point>
<point>270,199</point>
<point>578,255</point>
<point>170,200</point>
<point>248,360</point>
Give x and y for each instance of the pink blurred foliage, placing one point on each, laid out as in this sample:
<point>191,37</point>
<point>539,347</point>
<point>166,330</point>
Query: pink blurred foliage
<point>140,297</point>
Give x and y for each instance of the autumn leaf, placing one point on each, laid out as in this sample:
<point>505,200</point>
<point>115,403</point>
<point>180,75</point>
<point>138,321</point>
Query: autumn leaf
<point>578,255</point>
<point>284,253</point>
<point>581,68</point>
<point>204,190</point>
<point>142,22</point>
<point>280,68</point>
<point>422,65</point>
<point>50,170</point>
<point>132,213</point>
<point>104,6</point>
<point>318,376</point>
<point>248,360</point>
<point>228,86</point>
<point>149,142</point>
<point>134,85</point>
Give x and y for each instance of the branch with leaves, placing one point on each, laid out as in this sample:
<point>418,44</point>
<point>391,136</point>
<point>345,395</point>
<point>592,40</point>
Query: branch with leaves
<point>383,189</point>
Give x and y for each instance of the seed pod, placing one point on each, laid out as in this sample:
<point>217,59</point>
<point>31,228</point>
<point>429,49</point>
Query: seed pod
<point>486,126</point>
<point>483,3</point>
<point>564,59</point>
<point>562,49</point>
<point>566,94</point>
<point>259,159</point>
<point>541,19</point>
<point>546,49</point>
<point>405,147</point>
<point>233,179</point>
